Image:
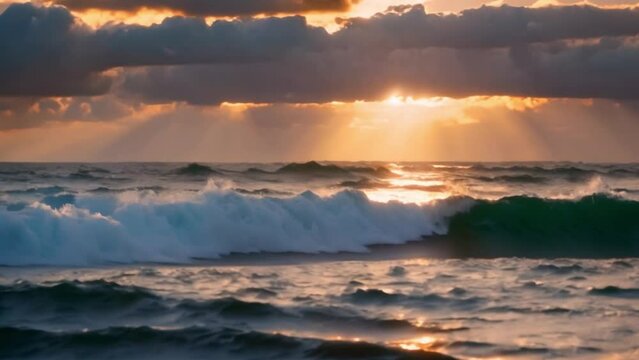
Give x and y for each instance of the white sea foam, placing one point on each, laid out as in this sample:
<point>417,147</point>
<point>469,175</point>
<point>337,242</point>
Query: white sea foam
<point>216,221</point>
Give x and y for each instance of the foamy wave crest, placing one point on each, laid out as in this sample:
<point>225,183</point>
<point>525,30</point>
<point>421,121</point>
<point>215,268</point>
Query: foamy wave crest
<point>214,222</point>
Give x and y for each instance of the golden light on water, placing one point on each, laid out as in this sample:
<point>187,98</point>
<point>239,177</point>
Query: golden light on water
<point>436,166</point>
<point>405,196</point>
<point>415,188</point>
<point>413,182</point>
<point>424,343</point>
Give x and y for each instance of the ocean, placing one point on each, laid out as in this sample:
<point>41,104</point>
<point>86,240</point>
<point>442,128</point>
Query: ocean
<point>330,260</point>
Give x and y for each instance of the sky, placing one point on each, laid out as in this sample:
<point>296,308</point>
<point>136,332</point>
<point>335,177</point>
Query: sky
<point>296,80</point>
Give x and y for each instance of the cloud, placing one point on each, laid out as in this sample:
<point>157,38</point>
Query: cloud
<point>181,40</point>
<point>24,112</point>
<point>47,52</point>
<point>486,27</point>
<point>606,69</point>
<point>42,54</point>
<point>459,5</point>
<point>216,7</point>
<point>575,51</point>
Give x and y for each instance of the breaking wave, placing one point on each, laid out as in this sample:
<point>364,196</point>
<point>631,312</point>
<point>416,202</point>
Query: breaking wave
<point>103,229</point>
<point>593,226</point>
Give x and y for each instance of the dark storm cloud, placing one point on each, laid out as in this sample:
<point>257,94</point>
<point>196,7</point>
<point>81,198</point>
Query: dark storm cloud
<point>608,69</point>
<point>191,41</point>
<point>46,52</point>
<point>491,50</point>
<point>42,53</point>
<point>216,7</point>
<point>486,27</point>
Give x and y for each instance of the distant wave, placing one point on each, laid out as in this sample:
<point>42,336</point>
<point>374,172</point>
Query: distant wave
<point>311,168</point>
<point>84,230</point>
<point>614,291</point>
<point>88,173</point>
<point>315,169</point>
<point>570,172</point>
<point>521,178</point>
<point>195,169</point>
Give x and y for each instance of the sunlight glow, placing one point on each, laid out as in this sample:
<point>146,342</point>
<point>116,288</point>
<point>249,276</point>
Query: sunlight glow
<point>452,166</point>
<point>397,100</point>
<point>97,18</point>
<point>424,343</point>
<point>409,188</point>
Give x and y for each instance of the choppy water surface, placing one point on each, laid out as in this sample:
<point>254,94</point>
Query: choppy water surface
<point>319,261</point>
<point>495,309</point>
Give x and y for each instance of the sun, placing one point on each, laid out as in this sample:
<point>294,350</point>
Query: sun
<point>422,102</point>
<point>395,100</point>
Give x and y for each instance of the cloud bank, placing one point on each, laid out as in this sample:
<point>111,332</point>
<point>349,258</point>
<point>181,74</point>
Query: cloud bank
<point>571,52</point>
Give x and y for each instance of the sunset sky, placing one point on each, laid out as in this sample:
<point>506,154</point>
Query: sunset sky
<point>295,80</point>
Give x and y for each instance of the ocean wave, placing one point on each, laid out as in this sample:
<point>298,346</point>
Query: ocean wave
<point>73,304</point>
<point>28,299</point>
<point>596,226</point>
<point>570,171</point>
<point>315,169</point>
<point>615,291</point>
<point>521,179</point>
<point>101,229</point>
<point>165,227</point>
<point>96,294</point>
<point>110,304</point>
<point>311,168</point>
<point>195,169</point>
<point>382,298</point>
<point>232,308</point>
<point>188,343</point>
<point>88,173</point>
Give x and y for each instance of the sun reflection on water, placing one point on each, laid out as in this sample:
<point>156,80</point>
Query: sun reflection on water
<point>424,343</point>
<point>410,188</point>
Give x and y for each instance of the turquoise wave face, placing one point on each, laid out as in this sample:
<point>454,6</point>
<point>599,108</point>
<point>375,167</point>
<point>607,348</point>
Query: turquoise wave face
<point>596,226</point>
